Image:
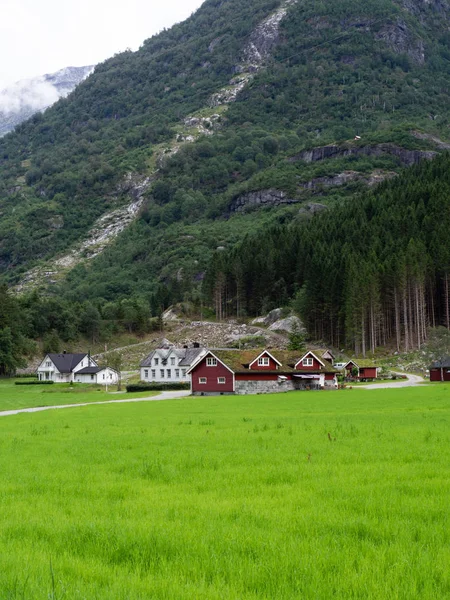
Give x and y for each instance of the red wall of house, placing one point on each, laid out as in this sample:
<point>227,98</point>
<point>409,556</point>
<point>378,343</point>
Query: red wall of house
<point>211,374</point>
<point>329,376</point>
<point>258,376</point>
<point>370,372</point>
<point>316,366</point>
<point>273,366</point>
<point>435,375</point>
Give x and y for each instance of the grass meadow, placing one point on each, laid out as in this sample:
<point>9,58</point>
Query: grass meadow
<point>313,495</point>
<point>29,396</point>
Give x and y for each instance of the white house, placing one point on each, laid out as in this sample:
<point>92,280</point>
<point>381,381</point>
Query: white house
<point>81,368</point>
<point>169,364</point>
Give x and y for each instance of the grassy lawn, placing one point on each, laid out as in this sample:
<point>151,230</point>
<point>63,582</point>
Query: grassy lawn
<point>292,496</point>
<point>28,396</point>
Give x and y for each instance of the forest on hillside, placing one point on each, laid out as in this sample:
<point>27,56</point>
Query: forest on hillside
<point>375,268</point>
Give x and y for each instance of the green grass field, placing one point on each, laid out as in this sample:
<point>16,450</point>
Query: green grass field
<point>313,495</point>
<point>28,396</point>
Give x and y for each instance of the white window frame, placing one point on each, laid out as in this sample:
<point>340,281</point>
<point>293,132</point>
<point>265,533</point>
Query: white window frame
<point>161,372</point>
<point>177,373</point>
<point>156,362</point>
<point>146,373</point>
<point>172,361</point>
<point>308,362</point>
<point>221,380</point>
<point>202,380</point>
<point>183,372</point>
<point>211,361</point>
<point>169,374</point>
<point>153,373</point>
<point>264,361</point>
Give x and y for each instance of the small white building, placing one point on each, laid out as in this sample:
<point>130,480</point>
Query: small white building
<point>169,364</point>
<point>98,375</point>
<point>79,367</point>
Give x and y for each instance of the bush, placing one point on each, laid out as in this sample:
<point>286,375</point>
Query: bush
<point>34,382</point>
<point>157,387</point>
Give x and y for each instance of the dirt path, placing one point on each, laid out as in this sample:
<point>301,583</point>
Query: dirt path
<point>410,381</point>
<point>162,396</point>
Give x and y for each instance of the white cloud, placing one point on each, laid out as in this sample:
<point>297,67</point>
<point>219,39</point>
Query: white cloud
<point>35,94</point>
<point>45,36</point>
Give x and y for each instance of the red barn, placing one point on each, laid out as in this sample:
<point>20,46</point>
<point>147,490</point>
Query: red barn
<point>440,370</point>
<point>365,369</point>
<point>257,372</point>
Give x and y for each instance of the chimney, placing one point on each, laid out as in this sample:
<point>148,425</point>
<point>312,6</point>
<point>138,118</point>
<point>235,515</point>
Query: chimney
<point>196,345</point>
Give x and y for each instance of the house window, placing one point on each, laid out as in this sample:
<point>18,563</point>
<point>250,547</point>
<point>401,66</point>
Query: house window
<point>183,372</point>
<point>172,361</point>
<point>308,362</point>
<point>169,373</point>
<point>177,372</point>
<point>211,362</point>
<point>221,380</point>
<point>146,373</point>
<point>92,377</point>
<point>153,373</point>
<point>156,362</point>
<point>103,376</point>
<point>162,373</point>
<point>263,361</point>
<point>48,363</point>
<point>202,380</point>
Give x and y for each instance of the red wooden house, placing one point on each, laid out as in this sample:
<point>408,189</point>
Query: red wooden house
<point>440,370</point>
<point>257,372</point>
<point>365,369</point>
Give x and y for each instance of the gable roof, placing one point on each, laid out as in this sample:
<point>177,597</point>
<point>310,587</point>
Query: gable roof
<point>361,363</point>
<point>441,364</point>
<point>66,363</point>
<point>187,355</point>
<point>238,361</point>
<point>315,354</point>
<point>262,354</point>
<point>216,354</point>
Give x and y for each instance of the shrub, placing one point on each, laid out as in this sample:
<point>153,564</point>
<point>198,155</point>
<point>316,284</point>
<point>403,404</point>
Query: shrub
<point>33,382</point>
<point>157,387</point>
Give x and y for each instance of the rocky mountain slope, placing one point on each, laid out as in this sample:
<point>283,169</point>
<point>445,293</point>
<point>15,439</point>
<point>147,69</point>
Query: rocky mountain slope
<point>235,118</point>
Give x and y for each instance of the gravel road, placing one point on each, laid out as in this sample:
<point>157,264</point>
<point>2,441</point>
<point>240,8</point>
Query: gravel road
<point>162,396</point>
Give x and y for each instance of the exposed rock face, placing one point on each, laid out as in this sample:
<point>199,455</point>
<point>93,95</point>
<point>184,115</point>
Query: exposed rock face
<point>287,325</point>
<point>261,198</point>
<point>373,178</point>
<point>103,232</point>
<point>312,208</point>
<point>262,42</point>
<point>400,40</point>
<point>406,157</point>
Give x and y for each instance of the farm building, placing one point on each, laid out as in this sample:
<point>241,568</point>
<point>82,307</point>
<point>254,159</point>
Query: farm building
<point>364,369</point>
<point>440,370</point>
<point>259,372</point>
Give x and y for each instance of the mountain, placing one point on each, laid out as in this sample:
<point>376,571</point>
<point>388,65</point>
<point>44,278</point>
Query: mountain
<point>225,125</point>
<point>23,99</point>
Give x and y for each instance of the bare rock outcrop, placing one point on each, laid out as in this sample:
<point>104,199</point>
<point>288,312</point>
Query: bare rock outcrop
<point>405,157</point>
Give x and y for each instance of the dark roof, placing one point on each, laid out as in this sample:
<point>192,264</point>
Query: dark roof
<point>89,370</point>
<point>65,363</point>
<point>441,364</point>
<point>191,355</point>
<point>187,355</point>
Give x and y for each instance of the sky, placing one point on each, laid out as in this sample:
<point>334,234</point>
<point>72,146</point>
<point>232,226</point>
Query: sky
<point>43,36</point>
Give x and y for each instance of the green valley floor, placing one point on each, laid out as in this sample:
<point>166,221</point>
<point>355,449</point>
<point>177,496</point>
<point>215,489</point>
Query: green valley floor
<point>309,495</point>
